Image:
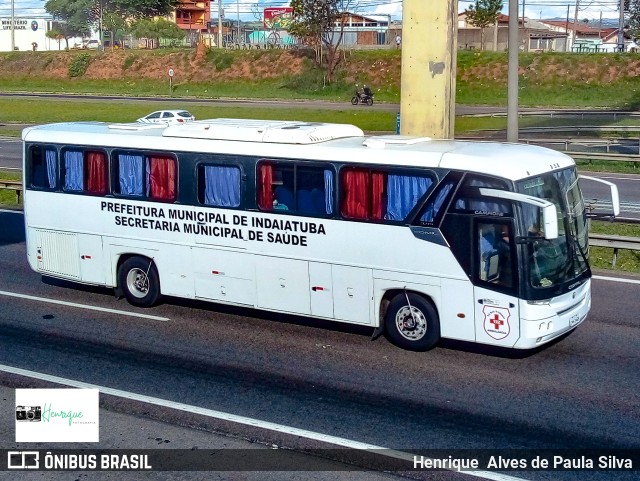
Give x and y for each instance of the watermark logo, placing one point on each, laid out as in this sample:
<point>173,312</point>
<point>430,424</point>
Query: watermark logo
<point>23,460</point>
<point>57,415</point>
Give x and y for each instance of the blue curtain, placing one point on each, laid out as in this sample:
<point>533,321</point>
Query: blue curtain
<point>50,155</point>
<point>328,191</point>
<point>221,186</point>
<point>403,193</point>
<point>73,170</point>
<point>130,174</point>
<point>434,205</point>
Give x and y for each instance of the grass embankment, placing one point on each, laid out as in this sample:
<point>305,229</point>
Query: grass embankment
<point>549,79</point>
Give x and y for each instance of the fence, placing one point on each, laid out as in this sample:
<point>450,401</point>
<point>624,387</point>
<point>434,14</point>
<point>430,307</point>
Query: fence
<point>12,185</point>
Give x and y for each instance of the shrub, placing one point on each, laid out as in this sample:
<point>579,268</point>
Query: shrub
<point>79,64</point>
<point>128,62</point>
<point>221,60</point>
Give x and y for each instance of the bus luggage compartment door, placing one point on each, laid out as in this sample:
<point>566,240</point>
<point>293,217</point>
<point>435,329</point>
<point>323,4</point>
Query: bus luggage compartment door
<point>352,292</point>
<point>283,284</point>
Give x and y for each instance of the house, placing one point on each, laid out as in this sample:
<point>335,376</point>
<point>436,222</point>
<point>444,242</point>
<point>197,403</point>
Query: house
<point>470,36</point>
<point>533,35</point>
<point>193,15</point>
<point>361,30</point>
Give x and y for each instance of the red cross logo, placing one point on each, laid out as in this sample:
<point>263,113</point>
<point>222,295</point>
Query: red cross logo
<point>496,321</point>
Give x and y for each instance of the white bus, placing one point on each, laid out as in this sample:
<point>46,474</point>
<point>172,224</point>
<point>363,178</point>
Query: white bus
<point>420,239</point>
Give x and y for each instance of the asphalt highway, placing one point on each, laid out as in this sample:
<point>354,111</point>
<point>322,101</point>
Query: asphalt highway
<point>317,377</point>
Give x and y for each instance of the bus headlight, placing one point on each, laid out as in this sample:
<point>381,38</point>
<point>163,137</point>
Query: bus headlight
<point>542,302</point>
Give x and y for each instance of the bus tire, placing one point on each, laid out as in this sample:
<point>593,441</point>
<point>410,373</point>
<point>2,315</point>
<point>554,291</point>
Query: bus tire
<point>138,278</point>
<point>415,328</point>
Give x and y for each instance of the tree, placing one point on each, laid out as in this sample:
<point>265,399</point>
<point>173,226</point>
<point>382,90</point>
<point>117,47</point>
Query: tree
<point>156,29</point>
<point>80,17</point>
<point>320,24</point>
<point>633,12</point>
<point>72,16</point>
<point>140,9</point>
<point>56,34</point>
<point>483,14</point>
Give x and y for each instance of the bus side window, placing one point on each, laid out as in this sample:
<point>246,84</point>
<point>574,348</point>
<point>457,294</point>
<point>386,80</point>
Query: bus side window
<point>44,167</point>
<point>220,185</point>
<point>154,177</point>
<point>85,171</point>
<point>291,187</point>
<point>375,195</point>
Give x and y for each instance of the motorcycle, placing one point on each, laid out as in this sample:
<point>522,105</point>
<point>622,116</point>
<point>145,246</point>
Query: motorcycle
<point>363,96</point>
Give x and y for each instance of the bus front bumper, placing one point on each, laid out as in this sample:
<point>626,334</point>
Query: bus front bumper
<point>541,323</point>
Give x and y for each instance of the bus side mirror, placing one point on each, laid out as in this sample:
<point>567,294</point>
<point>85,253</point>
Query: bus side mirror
<point>615,198</point>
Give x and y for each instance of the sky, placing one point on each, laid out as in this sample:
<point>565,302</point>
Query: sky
<point>536,9</point>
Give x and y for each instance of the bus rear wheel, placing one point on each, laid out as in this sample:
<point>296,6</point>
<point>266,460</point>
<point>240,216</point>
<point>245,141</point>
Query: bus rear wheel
<point>138,278</point>
<point>412,323</point>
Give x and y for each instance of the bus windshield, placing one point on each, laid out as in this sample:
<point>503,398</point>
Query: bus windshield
<point>552,263</point>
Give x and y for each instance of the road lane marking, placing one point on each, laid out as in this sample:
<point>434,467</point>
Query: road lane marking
<point>347,443</point>
<point>82,306</point>
<point>9,211</point>
<point>617,279</point>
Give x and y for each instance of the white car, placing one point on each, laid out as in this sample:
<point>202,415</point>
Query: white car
<point>168,117</point>
<point>91,44</point>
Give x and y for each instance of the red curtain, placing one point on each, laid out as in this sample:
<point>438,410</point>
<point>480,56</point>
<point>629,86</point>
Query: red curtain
<point>96,173</point>
<point>356,187</point>
<point>265,200</point>
<point>162,178</point>
<point>377,188</point>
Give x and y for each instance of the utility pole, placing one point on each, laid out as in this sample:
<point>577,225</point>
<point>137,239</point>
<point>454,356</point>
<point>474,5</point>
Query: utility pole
<point>238,12</point>
<point>512,73</point>
<point>13,25</point>
<point>621,28</point>
<point>219,23</point>
<point>575,23</point>
<point>428,83</point>
<point>566,30</point>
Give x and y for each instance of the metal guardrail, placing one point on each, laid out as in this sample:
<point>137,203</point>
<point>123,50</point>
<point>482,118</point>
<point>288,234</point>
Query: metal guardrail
<point>606,143</point>
<point>604,156</point>
<point>12,185</point>
<point>562,113</point>
<point>616,242</point>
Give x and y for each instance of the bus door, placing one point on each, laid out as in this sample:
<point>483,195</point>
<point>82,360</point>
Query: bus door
<point>495,288</point>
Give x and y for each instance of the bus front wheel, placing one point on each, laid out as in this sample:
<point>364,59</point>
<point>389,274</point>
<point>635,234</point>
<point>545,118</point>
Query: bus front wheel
<point>138,278</point>
<point>412,323</point>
